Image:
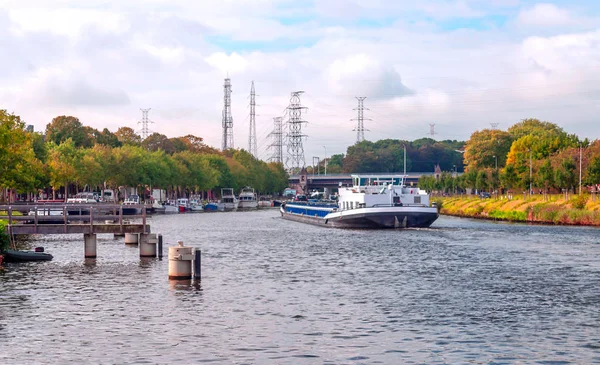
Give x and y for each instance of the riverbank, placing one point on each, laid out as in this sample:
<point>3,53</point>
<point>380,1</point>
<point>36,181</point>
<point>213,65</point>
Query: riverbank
<point>552,209</point>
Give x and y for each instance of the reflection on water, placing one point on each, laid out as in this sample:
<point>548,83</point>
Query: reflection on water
<point>280,292</point>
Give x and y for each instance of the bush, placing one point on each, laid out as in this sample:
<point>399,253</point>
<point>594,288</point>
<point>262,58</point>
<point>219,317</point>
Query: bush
<point>579,201</point>
<point>4,238</point>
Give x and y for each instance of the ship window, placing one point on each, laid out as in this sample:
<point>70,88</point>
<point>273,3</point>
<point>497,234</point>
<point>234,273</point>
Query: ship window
<point>396,199</point>
<point>417,199</point>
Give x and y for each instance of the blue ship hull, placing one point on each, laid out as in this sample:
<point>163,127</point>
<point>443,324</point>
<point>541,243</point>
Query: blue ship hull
<point>375,217</point>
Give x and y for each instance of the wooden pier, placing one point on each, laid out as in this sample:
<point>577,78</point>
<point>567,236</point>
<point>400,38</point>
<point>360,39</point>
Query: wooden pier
<point>87,219</point>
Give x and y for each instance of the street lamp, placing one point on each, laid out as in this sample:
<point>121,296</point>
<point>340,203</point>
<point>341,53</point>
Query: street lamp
<point>496,160</point>
<point>325,159</point>
<point>530,171</point>
<point>454,180</point>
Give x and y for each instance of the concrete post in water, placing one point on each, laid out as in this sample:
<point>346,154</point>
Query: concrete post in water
<point>197,265</point>
<point>148,244</point>
<point>131,238</point>
<point>180,262</point>
<point>160,246</point>
<point>89,244</point>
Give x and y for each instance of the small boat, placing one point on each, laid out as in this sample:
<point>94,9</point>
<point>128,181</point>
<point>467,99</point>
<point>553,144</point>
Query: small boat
<point>228,200</point>
<point>129,207</point>
<point>171,208</point>
<point>158,207</point>
<point>183,205</point>
<point>46,215</point>
<point>196,206</point>
<point>247,199</point>
<point>374,201</point>
<point>22,256</point>
<point>212,207</point>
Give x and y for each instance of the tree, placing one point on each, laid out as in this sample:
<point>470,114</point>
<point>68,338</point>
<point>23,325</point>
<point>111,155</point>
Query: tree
<point>63,160</point>
<point>126,135</point>
<point>483,145</point>
<point>107,138</point>
<point>481,183</point>
<point>157,141</point>
<point>509,178</point>
<point>64,127</point>
<point>593,172</point>
<point>564,175</point>
<point>545,175</point>
<point>19,167</point>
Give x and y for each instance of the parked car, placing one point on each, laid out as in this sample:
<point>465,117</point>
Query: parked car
<point>485,195</point>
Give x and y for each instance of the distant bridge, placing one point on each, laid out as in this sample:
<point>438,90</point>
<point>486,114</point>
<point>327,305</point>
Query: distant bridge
<point>308,182</point>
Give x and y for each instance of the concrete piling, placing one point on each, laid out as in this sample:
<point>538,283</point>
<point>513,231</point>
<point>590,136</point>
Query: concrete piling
<point>131,238</point>
<point>180,262</point>
<point>148,243</point>
<point>89,245</point>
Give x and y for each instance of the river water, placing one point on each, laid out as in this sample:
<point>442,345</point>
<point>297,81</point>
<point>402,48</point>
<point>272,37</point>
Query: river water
<point>281,292</point>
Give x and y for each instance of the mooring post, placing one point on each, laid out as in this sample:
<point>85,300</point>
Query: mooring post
<point>180,262</point>
<point>147,244</point>
<point>197,265</point>
<point>132,238</point>
<point>89,245</point>
<point>160,247</point>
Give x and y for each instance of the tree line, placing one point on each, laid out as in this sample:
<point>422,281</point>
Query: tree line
<point>531,154</point>
<point>69,156</point>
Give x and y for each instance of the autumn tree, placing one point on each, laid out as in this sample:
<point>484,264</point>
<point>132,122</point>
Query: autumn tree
<point>127,136</point>
<point>63,160</point>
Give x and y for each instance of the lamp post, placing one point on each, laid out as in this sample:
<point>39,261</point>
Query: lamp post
<point>530,171</point>
<point>580,158</point>
<point>454,180</point>
<point>496,160</point>
<point>325,159</point>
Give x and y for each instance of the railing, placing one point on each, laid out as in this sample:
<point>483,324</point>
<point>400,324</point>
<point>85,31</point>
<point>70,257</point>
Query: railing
<point>39,217</point>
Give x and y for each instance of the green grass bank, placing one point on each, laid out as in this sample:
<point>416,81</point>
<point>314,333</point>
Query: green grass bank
<point>581,210</point>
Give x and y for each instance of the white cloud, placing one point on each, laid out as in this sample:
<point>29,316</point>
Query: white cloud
<point>545,15</point>
<point>105,60</point>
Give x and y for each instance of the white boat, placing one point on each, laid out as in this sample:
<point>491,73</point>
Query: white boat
<point>183,204</point>
<point>228,200</point>
<point>373,201</point>
<point>171,208</point>
<point>131,205</point>
<point>247,199</point>
<point>196,206</point>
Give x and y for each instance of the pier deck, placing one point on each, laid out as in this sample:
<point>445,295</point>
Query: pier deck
<point>88,219</point>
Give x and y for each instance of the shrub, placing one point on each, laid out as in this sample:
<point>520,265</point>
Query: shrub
<point>4,238</point>
<point>579,201</point>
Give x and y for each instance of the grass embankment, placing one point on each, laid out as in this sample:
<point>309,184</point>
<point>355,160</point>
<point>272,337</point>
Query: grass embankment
<point>554,209</point>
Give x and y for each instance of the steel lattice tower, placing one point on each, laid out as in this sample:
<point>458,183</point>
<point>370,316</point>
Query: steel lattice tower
<point>295,150</point>
<point>252,135</point>
<point>227,118</point>
<point>494,125</point>
<point>277,145</point>
<point>432,130</point>
<point>145,131</point>
<point>360,128</point>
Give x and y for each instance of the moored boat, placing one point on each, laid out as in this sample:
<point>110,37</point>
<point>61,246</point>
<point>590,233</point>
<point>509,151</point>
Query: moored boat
<point>131,205</point>
<point>374,201</point>
<point>22,256</point>
<point>212,207</point>
<point>228,200</point>
<point>247,199</point>
<point>196,206</point>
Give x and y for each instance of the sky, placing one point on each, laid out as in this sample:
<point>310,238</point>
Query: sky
<point>459,64</point>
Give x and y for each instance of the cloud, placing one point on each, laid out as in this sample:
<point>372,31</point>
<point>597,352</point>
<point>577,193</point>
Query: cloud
<point>361,74</point>
<point>545,15</point>
<point>78,92</point>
